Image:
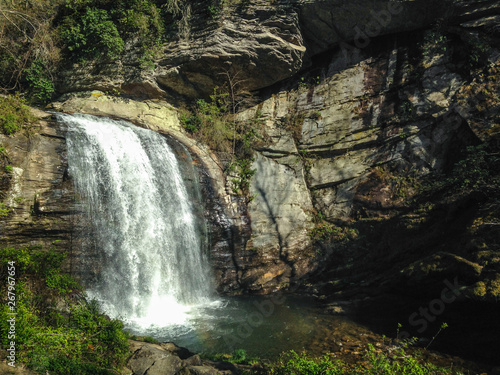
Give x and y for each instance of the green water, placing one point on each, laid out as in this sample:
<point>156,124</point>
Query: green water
<point>262,326</point>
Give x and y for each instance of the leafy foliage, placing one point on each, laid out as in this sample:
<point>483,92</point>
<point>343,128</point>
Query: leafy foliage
<point>243,167</point>
<point>325,230</point>
<point>40,83</point>
<point>93,28</point>
<point>214,126</point>
<point>74,340</point>
<point>26,37</point>
<point>293,363</point>
<point>400,363</point>
<point>33,33</point>
<point>479,170</point>
<point>213,123</point>
<point>4,210</point>
<point>14,114</point>
<point>376,362</point>
<point>239,356</point>
<point>92,34</point>
<point>150,339</point>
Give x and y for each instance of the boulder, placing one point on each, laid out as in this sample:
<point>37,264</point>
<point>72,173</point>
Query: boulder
<point>152,359</point>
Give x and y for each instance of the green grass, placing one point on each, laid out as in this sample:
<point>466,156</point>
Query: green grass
<point>149,339</point>
<point>375,362</point>
<point>293,363</point>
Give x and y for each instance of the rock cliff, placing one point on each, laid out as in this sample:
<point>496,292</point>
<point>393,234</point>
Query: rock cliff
<point>359,102</point>
<point>40,198</point>
<point>261,42</point>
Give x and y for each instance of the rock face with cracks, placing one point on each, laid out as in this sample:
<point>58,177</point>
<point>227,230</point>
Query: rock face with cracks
<point>351,93</point>
<point>258,42</point>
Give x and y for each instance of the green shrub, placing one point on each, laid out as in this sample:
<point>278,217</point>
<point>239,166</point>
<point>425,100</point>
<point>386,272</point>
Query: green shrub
<point>399,363</point>
<point>27,36</point>
<point>41,85</point>
<point>478,170</point>
<point>292,363</point>
<point>475,169</point>
<point>140,18</point>
<point>375,362</point>
<point>75,340</point>
<point>214,11</point>
<point>210,122</point>
<point>92,28</point>
<point>92,34</point>
<point>213,123</point>
<point>237,356</point>
<point>243,165</point>
<point>14,114</point>
<point>63,283</point>
<point>325,230</point>
<point>192,123</point>
<point>4,210</point>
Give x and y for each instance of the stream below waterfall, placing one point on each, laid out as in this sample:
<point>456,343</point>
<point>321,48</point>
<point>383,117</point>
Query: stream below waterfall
<point>262,326</point>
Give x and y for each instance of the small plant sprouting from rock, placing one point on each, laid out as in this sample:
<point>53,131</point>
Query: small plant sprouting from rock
<point>4,210</point>
<point>243,167</point>
<point>149,339</point>
<point>238,356</point>
<point>213,123</point>
<point>441,328</point>
<point>14,115</point>
<point>324,230</point>
<point>407,111</point>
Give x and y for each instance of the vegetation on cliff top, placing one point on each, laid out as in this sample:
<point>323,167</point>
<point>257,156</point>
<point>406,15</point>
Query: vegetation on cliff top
<point>37,37</point>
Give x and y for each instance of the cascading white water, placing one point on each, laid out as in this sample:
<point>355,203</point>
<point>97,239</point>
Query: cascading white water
<point>153,263</point>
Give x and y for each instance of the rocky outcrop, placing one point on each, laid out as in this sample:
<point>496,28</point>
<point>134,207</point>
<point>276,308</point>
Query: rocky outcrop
<point>337,142</point>
<point>41,199</point>
<point>239,41</point>
<point>364,117</point>
<point>169,359</point>
<point>363,131</point>
<point>259,44</point>
<point>366,114</point>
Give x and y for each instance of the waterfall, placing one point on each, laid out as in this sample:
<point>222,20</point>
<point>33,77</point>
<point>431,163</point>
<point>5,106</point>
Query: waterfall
<point>153,264</point>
